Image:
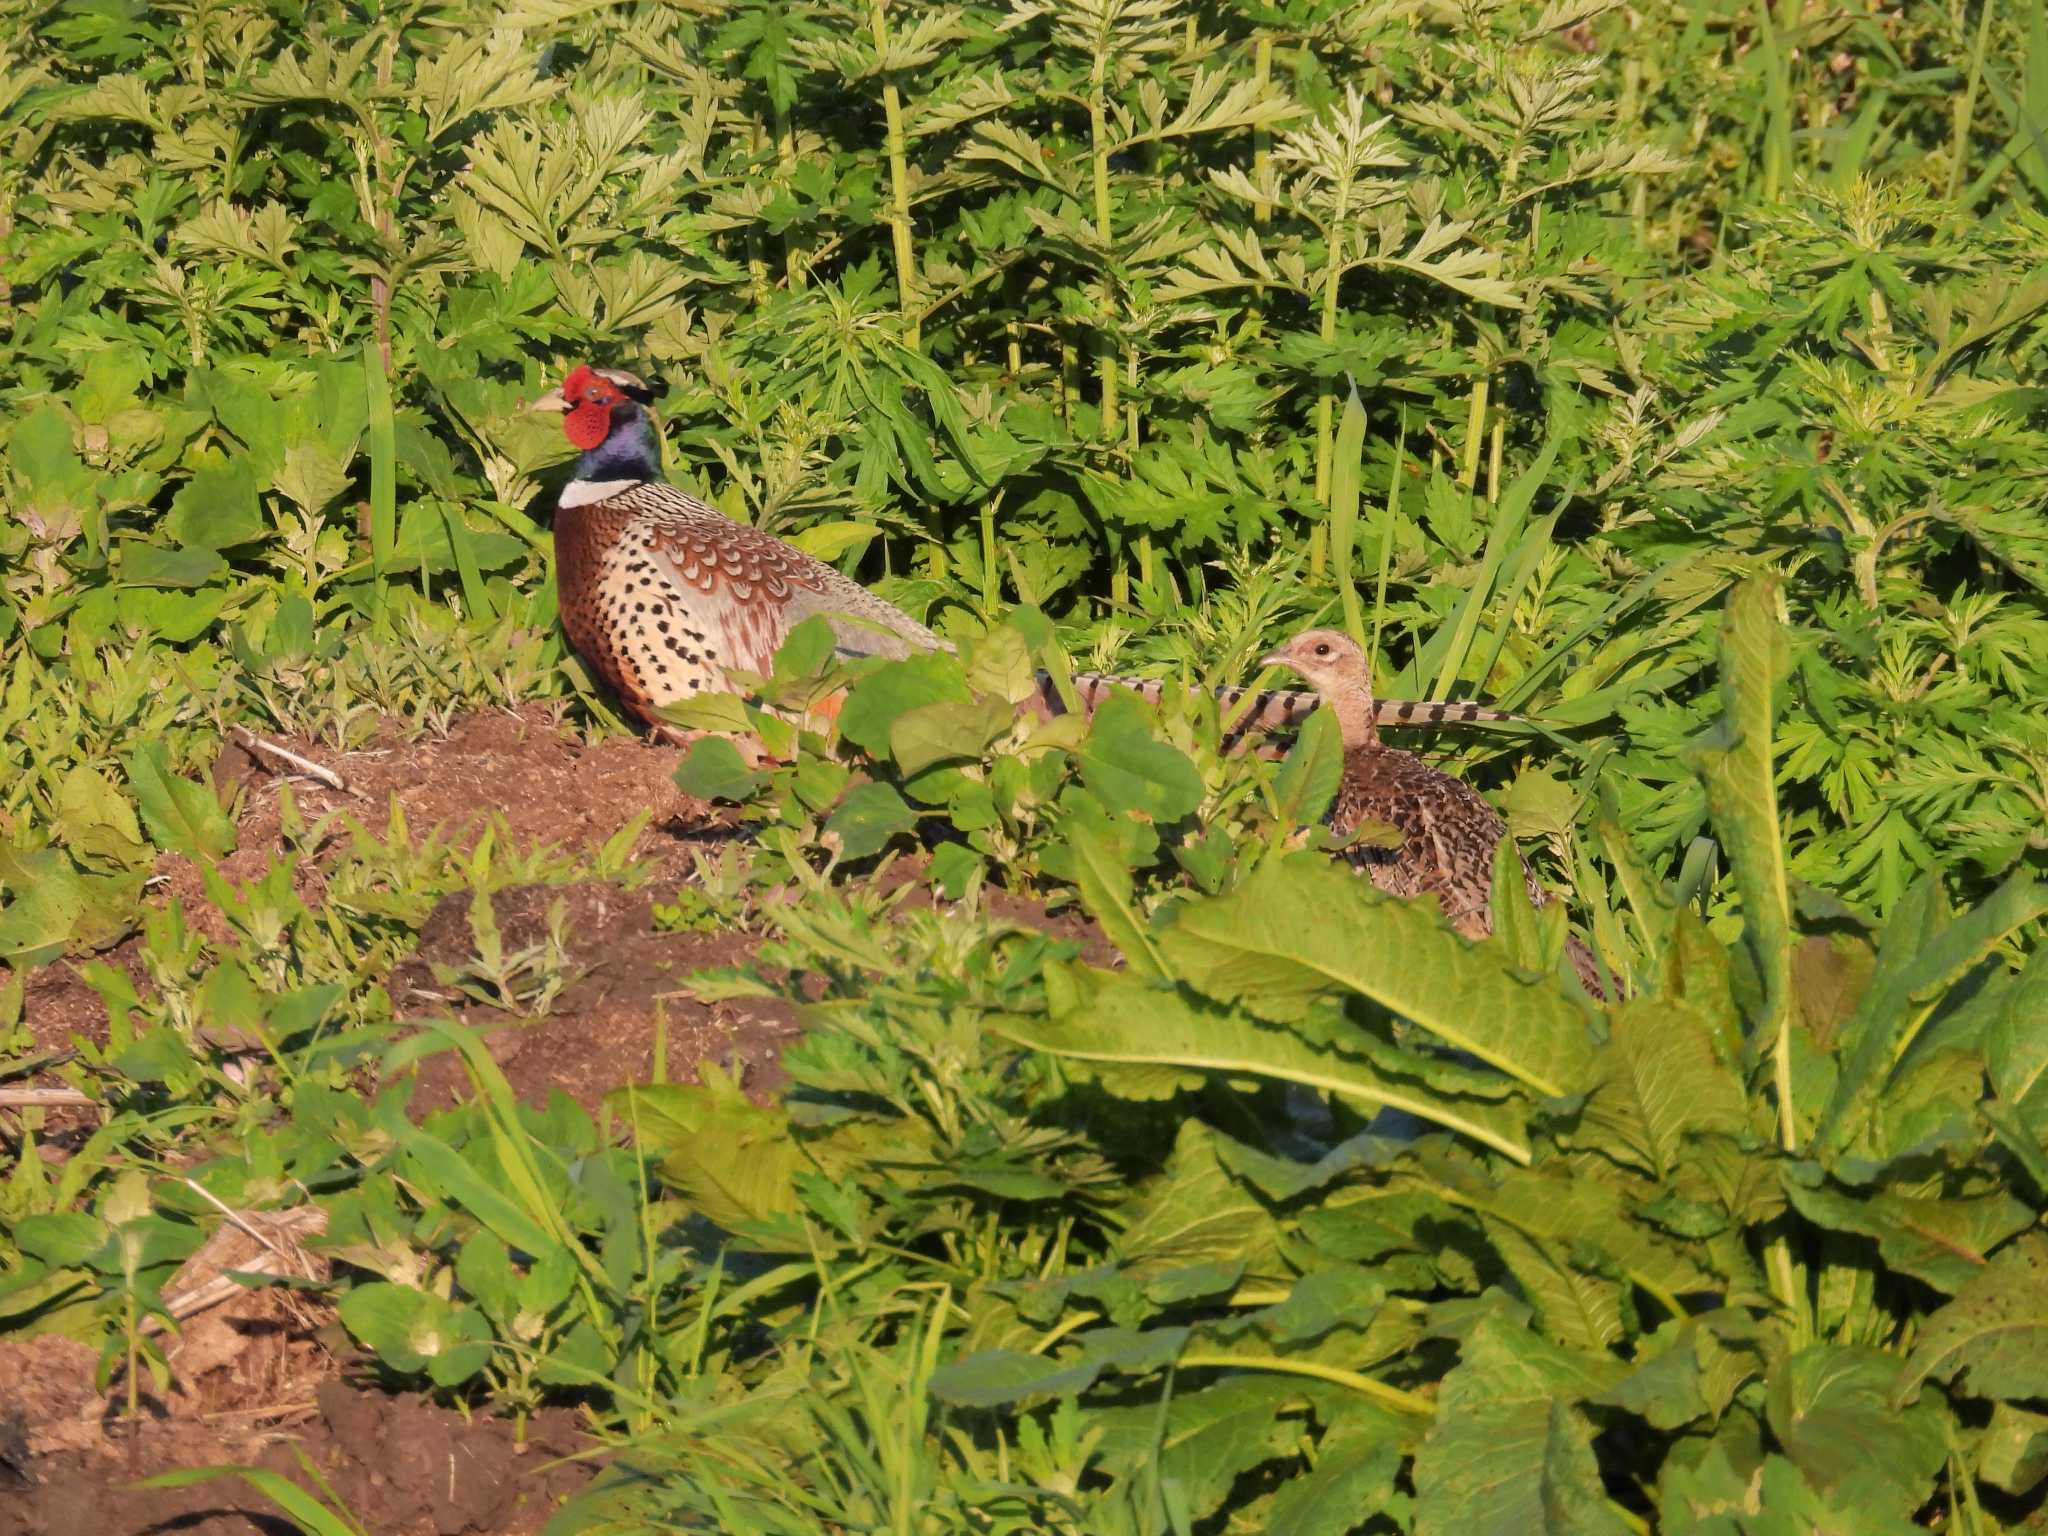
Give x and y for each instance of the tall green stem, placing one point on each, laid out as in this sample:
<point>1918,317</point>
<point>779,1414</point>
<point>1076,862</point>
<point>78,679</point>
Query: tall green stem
<point>1262,144</point>
<point>785,159</point>
<point>1967,106</point>
<point>1778,103</point>
<point>907,287</point>
<point>382,441</point>
<point>1098,128</point>
<point>1326,393</point>
<point>1475,433</point>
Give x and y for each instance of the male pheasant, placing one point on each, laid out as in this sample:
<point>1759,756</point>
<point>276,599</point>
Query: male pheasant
<point>661,594</point>
<point>1448,833</point>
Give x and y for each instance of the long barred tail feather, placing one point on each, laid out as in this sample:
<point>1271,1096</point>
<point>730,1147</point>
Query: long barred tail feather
<point>1269,709</point>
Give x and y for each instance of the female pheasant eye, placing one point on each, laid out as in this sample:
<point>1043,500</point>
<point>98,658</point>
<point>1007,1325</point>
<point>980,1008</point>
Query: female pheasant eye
<point>1323,648</point>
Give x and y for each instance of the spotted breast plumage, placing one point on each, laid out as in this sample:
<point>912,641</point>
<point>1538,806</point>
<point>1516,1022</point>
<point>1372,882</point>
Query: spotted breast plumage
<point>1446,833</point>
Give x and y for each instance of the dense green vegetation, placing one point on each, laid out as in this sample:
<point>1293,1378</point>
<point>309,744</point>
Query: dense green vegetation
<point>1668,375</point>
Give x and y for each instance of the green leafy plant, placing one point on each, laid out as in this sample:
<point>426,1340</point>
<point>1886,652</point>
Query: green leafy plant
<point>1665,376</point>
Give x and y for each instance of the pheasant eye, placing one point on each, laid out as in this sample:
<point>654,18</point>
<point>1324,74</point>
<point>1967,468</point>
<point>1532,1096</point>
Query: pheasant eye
<point>1323,649</point>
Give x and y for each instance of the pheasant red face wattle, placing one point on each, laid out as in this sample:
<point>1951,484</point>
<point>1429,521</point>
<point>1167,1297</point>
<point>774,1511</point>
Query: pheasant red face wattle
<point>588,420</point>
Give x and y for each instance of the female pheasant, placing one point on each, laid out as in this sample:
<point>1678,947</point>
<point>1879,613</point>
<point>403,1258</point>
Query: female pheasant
<point>1448,834</point>
<point>660,594</point>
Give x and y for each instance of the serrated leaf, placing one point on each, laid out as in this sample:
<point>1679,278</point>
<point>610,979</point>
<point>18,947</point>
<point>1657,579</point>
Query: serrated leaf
<point>1736,766</point>
<point>1992,1339</point>
<point>1300,928</point>
<point>1118,1019</point>
<point>1508,1454</point>
<point>1660,1083</point>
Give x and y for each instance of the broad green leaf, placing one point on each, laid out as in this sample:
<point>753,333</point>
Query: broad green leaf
<point>1357,1473</point>
<point>312,476</point>
<point>997,1377</point>
<point>828,541</point>
<point>414,1330</point>
<point>2013,1454</point>
<point>176,617</point>
<point>1714,1498</point>
<point>152,565</point>
<point>714,770</point>
<point>1832,1408</point>
<point>48,899</point>
<point>731,1160</point>
<point>875,703</point>
<point>61,1239</point>
<point>1194,1212</point>
<point>1203,1442</point>
<point>60,488</point>
<point>483,1268</point>
<point>2016,1047</point>
<point>1509,1454</point>
<point>1302,928</point>
<point>1660,1082</point>
<point>1992,1339</point>
<point>1573,1240</point>
<point>1920,955</point>
<point>805,649</point>
<point>216,509</point>
<point>1943,1240</point>
<point>1130,770</point>
<point>1691,1369</point>
<point>1118,1019</point>
<point>1104,882</point>
<point>1736,766</point>
<point>97,823</point>
<point>1311,772</point>
<point>179,813</point>
<point>866,820</point>
<point>944,731</point>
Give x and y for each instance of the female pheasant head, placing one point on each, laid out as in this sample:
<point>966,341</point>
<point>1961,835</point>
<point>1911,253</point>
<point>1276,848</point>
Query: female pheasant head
<point>1336,668</point>
<point>602,415</point>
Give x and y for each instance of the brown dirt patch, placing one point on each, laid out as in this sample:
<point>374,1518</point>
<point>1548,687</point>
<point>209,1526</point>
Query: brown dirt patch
<point>602,1030</point>
<point>517,765</point>
<point>256,1381</point>
<point>399,1466</point>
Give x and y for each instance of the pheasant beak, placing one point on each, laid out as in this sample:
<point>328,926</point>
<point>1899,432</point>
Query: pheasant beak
<point>551,401</point>
<point>1277,659</point>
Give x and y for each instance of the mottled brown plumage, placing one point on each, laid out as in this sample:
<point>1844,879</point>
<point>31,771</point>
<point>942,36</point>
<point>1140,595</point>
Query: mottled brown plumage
<point>1448,834</point>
